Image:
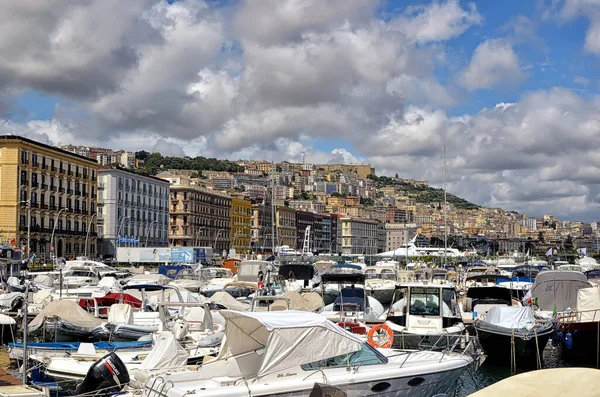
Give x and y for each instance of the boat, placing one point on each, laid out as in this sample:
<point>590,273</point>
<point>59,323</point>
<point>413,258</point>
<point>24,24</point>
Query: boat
<point>512,334</point>
<point>61,349</point>
<point>556,291</point>
<point>424,316</point>
<point>593,276</point>
<point>381,281</point>
<point>554,382</point>
<point>282,354</point>
<point>298,276</point>
<point>64,321</point>
<point>352,303</point>
<point>79,276</point>
<point>587,263</point>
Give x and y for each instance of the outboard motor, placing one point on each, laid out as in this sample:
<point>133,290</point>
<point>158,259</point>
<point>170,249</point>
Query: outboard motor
<point>107,375</point>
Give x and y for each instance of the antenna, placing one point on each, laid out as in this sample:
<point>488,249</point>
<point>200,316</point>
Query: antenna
<point>304,157</point>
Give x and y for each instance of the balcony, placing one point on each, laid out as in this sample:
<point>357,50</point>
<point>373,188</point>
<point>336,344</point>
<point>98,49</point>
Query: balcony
<point>52,207</point>
<point>84,212</point>
<point>44,166</point>
<point>35,164</point>
<point>52,168</point>
<point>62,171</point>
<point>34,184</point>
<point>78,175</point>
<point>69,191</point>
<point>53,188</point>
<point>24,161</point>
<point>44,186</point>
<point>77,192</point>
<point>24,182</point>
<point>70,173</point>
<point>61,189</point>
<point>35,205</point>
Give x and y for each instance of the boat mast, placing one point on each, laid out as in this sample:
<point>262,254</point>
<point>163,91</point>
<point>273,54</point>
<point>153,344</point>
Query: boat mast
<point>273,239</point>
<point>445,208</point>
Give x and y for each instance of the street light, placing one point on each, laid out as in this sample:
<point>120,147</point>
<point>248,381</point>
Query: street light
<point>88,233</point>
<point>52,236</point>
<point>197,234</point>
<point>117,238</point>
<point>216,237</point>
<point>148,231</point>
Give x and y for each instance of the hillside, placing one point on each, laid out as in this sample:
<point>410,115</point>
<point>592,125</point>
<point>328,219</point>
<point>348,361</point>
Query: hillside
<point>422,194</point>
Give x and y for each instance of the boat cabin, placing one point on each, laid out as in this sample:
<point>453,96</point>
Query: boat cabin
<point>382,272</point>
<point>425,306</point>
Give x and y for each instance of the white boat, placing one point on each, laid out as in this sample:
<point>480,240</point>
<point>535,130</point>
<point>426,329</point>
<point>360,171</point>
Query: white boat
<point>587,263</point>
<point>425,316</point>
<point>381,280</point>
<point>78,276</point>
<point>284,354</point>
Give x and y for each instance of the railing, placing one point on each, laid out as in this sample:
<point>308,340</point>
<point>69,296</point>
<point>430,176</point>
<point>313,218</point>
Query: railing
<point>44,186</point>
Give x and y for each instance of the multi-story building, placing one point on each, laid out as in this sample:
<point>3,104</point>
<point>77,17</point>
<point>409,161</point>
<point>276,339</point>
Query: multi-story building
<point>359,236</point>
<point>321,235</point>
<point>60,189</point>
<point>263,238</point>
<point>198,216</point>
<point>398,215</point>
<point>286,226</point>
<point>397,234</point>
<point>134,207</point>
<point>241,224</point>
<point>308,205</point>
<point>104,156</point>
<point>336,233</point>
<point>304,219</point>
<point>221,181</point>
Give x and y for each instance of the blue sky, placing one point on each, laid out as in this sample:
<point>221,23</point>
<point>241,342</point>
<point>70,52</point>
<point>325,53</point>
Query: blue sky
<point>509,87</point>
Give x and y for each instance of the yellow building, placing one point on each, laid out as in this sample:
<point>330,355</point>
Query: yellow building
<point>241,224</point>
<point>60,189</point>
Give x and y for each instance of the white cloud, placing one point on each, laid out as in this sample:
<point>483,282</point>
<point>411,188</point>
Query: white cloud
<point>438,21</point>
<point>582,81</point>
<point>590,9</point>
<point>167,148</point>
<point>341,155</point>
<point>494,61</point>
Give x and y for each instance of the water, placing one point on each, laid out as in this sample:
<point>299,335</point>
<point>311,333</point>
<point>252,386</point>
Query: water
<point>491,373</point>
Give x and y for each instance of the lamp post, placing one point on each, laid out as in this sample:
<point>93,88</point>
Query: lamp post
<point>148,231</point>
<point>216,237</point>
<point>52,236</point>
<point>197,234</point>
<point>88,233</point>
<point>117,239</point>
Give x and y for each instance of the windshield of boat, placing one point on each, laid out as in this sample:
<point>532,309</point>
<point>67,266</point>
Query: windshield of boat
<point>216,273</point>
<point>425,301</point>
<point>385,274</point>
<point>80,273</point>
<point>186,274</point>
<point>365,356</point>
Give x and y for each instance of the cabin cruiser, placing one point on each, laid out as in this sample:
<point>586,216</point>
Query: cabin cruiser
<point>587,263</point>
<point>279,354</point>
<point>149,278</point>
<point>424,316</point>
<point>381,281</point>
<point>206,280</point>
<point>480,299</point>
<point>78,276</point>
<point>352,303</point>
<point>593,276</point>
<point>512,333</point>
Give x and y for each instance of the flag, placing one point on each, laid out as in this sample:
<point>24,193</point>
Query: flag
<point>554,309</point>
<point>549,252</point>
<point>582,251</point>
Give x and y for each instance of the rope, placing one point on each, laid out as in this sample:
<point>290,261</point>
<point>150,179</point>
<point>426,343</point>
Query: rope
<point>537,350</point>
<point>513,360</point>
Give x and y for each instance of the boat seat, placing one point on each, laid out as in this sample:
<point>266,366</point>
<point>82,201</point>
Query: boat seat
<point>147,318</point>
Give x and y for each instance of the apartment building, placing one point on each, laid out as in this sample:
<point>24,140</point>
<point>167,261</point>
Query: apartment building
<point>398,234</point>
<point>262,239</point>
<point>60,189</point>
<point>198,216</point>
<point>241,224</point>
<point>359,236</point>
<point>133,210</point>
<point>286,226</point>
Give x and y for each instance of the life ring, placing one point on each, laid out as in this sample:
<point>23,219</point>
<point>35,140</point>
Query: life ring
<point>384,338</point>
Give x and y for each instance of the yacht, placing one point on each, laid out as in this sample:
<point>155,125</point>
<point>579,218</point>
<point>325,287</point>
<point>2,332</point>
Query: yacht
<point>381,280</point>
<point>281,354</point>
<point>424,316</point>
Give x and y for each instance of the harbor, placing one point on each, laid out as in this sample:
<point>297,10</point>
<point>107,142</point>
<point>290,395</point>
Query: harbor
<point>296,325</point>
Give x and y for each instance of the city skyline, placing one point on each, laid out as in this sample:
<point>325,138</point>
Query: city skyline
<point>510,89</point>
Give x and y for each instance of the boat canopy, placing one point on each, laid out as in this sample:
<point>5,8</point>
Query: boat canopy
<point>297,271</point>
<point>588,304</point>
<point>69,312</point>
<point>557,289</point>
<point>343,276</point>
<point>298,301</point>
<point>290,338</point>
<point>513,317</point>
<point>248,270</point>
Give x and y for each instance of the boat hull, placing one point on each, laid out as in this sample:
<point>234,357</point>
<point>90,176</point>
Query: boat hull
<point>434,340</point>
<point>383,295</point>
<point>585,341</point>
<point>498,345</point>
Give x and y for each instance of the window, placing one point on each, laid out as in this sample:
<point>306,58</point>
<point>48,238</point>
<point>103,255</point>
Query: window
<point>365,356</point>
<point>425,301</point>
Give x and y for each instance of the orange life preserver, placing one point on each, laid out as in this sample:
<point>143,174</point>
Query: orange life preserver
<point>384,340</point>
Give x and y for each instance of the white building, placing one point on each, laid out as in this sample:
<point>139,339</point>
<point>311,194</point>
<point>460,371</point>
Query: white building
<point>359,236</point>
<point>398,234</point>
<point>132,206</point>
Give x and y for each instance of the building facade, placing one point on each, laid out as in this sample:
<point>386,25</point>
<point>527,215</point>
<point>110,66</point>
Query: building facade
<point>359,236</point>
<point>241,225</point>
<point>286,226</point>
<point>262,239</point>
<point>60,189</point>
<point>132,207</point>
<point>199,217</point>
<point>398,234</point>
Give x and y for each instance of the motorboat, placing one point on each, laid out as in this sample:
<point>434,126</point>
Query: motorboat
<point>424,316</point>
<point>352,303</point>
<point>214,279</point>
<point>62,349</point>
<point>146,279</point>
<point>574,268</point>
<point>381,281</point>
<point>479,300</point>
<point>579,326</point>
<point>587,263</point>
<point>512,334</point>
<point>64,321</point>
<point>593,276</point>
<point>281,354</point>
<point>478,276</point>
<point>299,276</point>
<point>78,276</point>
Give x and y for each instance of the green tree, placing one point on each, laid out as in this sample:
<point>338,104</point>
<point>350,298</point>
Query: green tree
<point>142,155</point>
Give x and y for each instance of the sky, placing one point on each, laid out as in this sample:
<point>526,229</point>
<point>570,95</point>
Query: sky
<point>510,87</point>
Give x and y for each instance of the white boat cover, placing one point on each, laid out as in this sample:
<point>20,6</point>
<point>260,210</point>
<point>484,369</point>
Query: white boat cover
<point>6,320</point>
<point>512,317</point>
<point>557,289</point>
<point>120,313</point>
<point>42,298</point>
<point>166,353</point>
<point>290,338</point>
<point>69,312</point>
<point>153,278</point>
<point>7,299</point>
<point>110,282</point>
<point>588,304</point>
<point>43,280</point>
<point>298,302</point>
<point>225,299</point>
<point>313,300</point>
